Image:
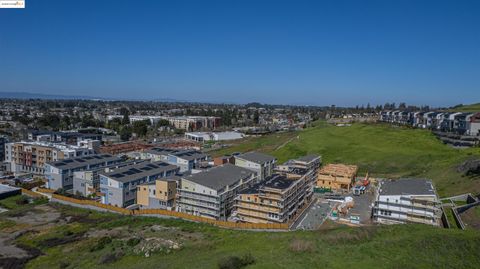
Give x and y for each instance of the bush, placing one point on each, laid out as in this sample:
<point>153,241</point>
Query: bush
<point>101,243</point>
<point>133,241</point>
<point>22,200</point>
<point>234,262</point>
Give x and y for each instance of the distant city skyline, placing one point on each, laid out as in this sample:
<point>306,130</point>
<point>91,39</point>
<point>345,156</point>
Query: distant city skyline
<point>343,53</point>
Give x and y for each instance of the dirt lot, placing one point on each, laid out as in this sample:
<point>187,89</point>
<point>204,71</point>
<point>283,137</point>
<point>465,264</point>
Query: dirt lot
<point>471,218</point>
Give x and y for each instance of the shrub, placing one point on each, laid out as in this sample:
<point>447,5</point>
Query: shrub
<point>133,241</point>
<point>101,243</point>
<point>235,262</point>
<point>22,200</point>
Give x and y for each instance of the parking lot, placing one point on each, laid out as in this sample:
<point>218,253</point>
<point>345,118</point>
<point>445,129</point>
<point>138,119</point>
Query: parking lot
<point>314,216</point>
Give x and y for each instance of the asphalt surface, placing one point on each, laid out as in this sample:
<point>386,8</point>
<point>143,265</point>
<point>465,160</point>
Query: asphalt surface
<point>313,217</point>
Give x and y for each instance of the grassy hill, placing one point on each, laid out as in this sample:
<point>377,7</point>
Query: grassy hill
<point>380,149</point>
<point>467,108</point>
<point>76,238</point>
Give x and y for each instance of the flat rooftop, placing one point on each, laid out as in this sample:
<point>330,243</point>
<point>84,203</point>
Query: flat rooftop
<point>256,157</point>
<point>276,181</point>
<point>6,188</point>
<point>221,176</point>
<point>407,186</point>
<point>141,170</point>
<point>90,160</point>
<point>307,158</point>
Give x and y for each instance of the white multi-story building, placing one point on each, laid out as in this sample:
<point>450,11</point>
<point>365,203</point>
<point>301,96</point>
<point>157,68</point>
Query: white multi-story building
<point>407,201</point>
<point>30,157</point>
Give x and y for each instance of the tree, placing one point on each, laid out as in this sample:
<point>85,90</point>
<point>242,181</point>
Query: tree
<point>125,133</point>
<point>140,127</point>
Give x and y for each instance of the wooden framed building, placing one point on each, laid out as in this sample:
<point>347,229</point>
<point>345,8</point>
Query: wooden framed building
<point>337,176</point>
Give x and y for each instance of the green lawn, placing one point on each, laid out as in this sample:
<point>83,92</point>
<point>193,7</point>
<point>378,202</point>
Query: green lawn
<point>380,149</point>
<point>203,246</point>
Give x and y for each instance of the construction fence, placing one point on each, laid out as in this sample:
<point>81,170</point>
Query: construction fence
<point>175,214</point>
<point>31,193</point>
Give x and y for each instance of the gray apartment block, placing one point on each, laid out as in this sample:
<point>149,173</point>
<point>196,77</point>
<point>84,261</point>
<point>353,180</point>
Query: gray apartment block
<point>119,186</point>
<point>87,182</point>
<point>60,174</point>
<point>211,193</point>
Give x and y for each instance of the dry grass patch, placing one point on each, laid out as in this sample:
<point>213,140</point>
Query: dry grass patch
<point>301,246</point>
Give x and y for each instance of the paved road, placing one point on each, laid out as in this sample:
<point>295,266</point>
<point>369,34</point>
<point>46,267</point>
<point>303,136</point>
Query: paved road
<point>314,216</point>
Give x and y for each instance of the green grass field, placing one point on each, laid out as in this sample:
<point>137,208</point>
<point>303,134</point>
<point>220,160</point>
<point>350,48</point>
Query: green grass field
<point>380,149</point>
<point>67,245</point>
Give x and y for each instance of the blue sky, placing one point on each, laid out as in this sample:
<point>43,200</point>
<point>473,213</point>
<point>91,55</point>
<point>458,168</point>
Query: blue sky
<point>291,52</point>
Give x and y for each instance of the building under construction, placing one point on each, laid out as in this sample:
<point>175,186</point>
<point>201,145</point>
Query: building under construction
<point>338,177</point>
<point>279,198</point>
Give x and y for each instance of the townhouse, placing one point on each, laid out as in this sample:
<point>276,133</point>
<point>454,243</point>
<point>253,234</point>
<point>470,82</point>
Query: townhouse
<point>260,163</point>
<point>87,182</point>
<point>159,194</point>
<point>60,174</point>
<point>119,186</point>
<point>407,201</point>
<point>185,159</point>
<point>212,193</point>
<point>460,123</point>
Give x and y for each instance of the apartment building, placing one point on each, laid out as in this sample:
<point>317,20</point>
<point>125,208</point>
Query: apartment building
<point>30,157</point>
<point>185,159</point>
<point>60,174</point>
<point>160,194</point>
<point>71,138</point>
<point>260,163</point>
<point>337,177</point>
<point>407,201</point>
<point>210,136</point>
<point>211,193</point>
<point>279,198</point>
<point>87,182</point>
<point>192,123</point>
<point>119,186</point>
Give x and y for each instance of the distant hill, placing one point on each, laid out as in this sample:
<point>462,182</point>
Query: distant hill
<point>467,108</point>
<point>29,95</point>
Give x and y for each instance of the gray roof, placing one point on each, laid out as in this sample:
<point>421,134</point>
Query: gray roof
<point>188,154</point>
<point>90,160</point>
<point>406,186</point>
<point>137,171</point>
<point>256,157</point>
<point>220,176</point>
<point>6,188</point>
<point>308,158</point>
